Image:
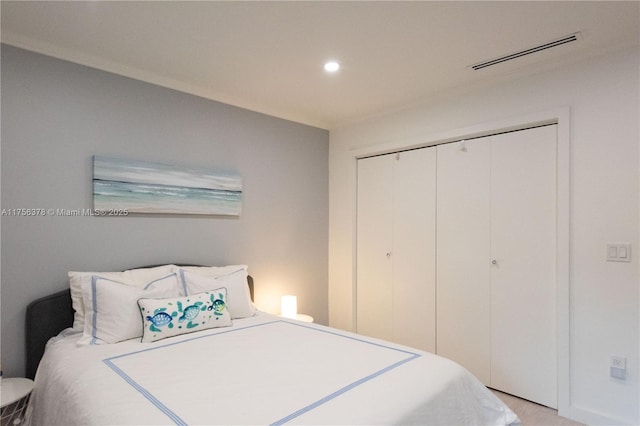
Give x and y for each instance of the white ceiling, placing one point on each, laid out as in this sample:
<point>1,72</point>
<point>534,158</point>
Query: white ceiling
<point>268,56</point>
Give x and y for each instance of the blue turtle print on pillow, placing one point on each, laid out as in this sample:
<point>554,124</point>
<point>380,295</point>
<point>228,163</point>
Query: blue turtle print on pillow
<point>159,319</point>
<point>170,317</point>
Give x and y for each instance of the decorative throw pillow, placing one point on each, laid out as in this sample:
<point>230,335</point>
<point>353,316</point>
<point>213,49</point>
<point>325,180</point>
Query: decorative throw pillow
<point>135,277</point>
<point>112,311</point>
<point>239,297</point>
<point>164,318</point>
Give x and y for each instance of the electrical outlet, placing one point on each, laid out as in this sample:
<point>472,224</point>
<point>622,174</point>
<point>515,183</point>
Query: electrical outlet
<point>618,362</point>
<point>618,367</point>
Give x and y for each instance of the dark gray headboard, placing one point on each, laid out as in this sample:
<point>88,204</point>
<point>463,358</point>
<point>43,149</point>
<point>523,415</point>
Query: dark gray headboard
<point>48,316</point>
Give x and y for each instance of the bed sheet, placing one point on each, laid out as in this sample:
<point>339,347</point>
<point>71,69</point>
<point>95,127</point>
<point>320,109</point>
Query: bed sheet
<point>262,370</point>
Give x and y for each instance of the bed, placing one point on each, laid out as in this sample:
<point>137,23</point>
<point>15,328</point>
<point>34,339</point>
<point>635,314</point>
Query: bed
<point>254,369</point>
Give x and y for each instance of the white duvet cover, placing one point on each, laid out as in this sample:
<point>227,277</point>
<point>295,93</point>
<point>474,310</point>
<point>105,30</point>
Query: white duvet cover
<point>263,370</point>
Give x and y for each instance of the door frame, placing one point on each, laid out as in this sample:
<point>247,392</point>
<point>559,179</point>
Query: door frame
<point>560,116</point>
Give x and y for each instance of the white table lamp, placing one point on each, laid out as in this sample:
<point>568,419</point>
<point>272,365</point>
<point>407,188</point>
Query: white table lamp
<point>289,306</point>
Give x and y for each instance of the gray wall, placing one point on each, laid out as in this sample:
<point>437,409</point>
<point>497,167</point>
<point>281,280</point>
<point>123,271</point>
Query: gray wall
<point>56,115</point>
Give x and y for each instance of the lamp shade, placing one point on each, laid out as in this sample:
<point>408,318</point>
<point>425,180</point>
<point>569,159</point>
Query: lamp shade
<point>289,306</point>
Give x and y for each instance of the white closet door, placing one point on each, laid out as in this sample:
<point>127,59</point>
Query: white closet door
<point>523,293</point>
<point>374,241</point>
<point>414,241</point>
<point>464,275</point>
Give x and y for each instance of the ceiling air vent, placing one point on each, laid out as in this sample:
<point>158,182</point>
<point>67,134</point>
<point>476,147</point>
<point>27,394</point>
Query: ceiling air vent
<point>558,42</point>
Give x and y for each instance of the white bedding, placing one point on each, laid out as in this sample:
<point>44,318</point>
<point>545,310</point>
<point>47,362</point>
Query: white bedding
<point>261,370</point>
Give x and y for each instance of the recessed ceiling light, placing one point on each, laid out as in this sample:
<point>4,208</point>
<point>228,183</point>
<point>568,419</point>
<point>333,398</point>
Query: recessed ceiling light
<point>331,66</point>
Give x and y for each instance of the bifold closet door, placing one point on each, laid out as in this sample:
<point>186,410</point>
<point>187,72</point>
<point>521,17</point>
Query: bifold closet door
<point>496,261</point>
<point>395,297</point>
<point>414,249</point>
<point>374,241</point>
<point>523,245</point>
<point>463,246</point>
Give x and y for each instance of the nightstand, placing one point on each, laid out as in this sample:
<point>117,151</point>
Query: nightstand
<point>304,318</point>
<point>300,317</point>
<point>14,400</point>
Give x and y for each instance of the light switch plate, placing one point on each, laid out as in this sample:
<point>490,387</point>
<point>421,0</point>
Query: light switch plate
<point>618,252</point>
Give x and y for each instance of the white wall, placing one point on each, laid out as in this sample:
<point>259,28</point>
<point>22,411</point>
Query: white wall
<point>56,115</point>
<point>602,94</point>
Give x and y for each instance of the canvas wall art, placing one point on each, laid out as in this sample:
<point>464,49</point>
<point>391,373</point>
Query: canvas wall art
<point>142,187</point>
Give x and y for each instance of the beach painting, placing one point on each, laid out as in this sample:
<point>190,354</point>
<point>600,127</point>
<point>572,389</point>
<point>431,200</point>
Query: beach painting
<point>142,187</point>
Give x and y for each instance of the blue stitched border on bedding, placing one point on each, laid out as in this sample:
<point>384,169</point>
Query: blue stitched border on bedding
<point>178,421</point>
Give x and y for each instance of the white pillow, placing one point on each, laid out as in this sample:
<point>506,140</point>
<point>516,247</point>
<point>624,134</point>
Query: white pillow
<point>112,314</point>
<point>211,271</point>
<point>164,318</point>
<point>135,277</point>
<point>239,297</point>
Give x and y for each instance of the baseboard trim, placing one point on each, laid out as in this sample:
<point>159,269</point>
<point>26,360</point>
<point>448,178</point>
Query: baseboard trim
<point>590,417</point>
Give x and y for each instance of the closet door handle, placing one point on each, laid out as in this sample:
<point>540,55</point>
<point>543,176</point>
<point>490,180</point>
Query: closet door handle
<point>388,255</point>
<point>494,262</point>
